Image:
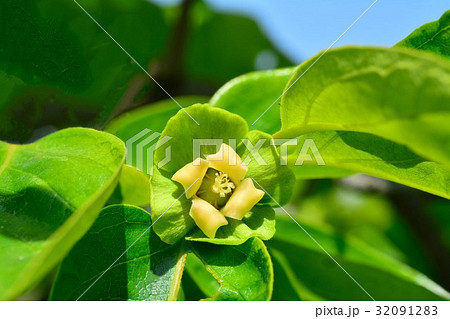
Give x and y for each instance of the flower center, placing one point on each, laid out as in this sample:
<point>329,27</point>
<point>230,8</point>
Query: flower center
<point>216,188</point>
<point>222,184</point>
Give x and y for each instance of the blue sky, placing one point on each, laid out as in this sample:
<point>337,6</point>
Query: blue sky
<point>301,28</point>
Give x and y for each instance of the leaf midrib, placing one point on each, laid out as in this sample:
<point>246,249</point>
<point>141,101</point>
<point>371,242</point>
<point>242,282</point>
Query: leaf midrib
<point>67,204</point>
<point>433,37</point>
<point>222,282</point>
<point>177,274</point>
<point>11,149</point>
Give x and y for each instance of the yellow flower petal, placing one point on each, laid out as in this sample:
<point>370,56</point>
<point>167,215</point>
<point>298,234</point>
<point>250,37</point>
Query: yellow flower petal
<point>206,216</point>
<point>226,160</point>
<point>244,197</point>
<point>191,176</point>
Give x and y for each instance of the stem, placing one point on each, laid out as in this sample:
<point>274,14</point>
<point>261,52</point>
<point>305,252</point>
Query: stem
<point>169,73</point>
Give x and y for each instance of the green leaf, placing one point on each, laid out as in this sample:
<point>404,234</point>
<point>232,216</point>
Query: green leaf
<point>317,172</point>
<point>152,116</point>
<point>244,272</point>
<point>189,291</point>
<point>260,222</point>
<point>285,286</point>
<point>360,152</point>
<point>133,188</point>
<point>70,70</point>
<point>242,96</point>
<point>269,174</point>
<point>170,208</point>
<point>433,37</point>
<point>251,94</point>
<point>148,269</point>
<point>210,123</point>
<point>399,95</point>
<point>201,277</point>
<point>382,277</point>
<point>50,194</point>
<point>210,39</point>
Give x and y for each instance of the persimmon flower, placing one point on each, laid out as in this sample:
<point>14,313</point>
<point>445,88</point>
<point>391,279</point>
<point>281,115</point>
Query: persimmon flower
<point>218,189</point>
<point>212,198</point>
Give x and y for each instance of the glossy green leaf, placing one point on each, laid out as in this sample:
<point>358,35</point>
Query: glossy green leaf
<point>396,94</point>
<point>133,188</point>
<point>366,153</point>
<point>382,277</point>
<point>243,272</point>
<point>251,94</point>
<point>151,269</point>
<point>50,194</point>
<point>285,286</point>
<point>202,278</point>
<point>70,71</point>
<point>433,36</point>
<point>148,269</point>
<point>242,96</point>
